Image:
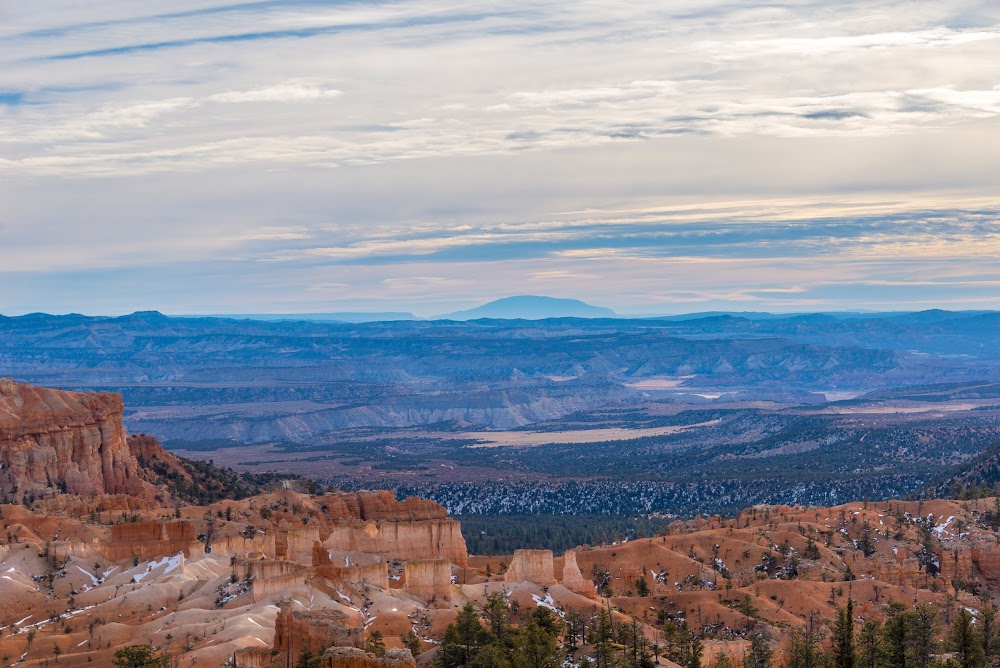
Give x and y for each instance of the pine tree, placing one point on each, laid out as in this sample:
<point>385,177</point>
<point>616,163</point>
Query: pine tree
<point>375,644</point>
<point>411,642</point>
<point>602,640</point>
<point>497,614</point>
<point>758,655</point>
<point>920,635</point>
<point>307,660</point>
<point>534,647</point>
<point>462,640</point>
<point>966,641</point>
<point>843,636</point>
<point>695,653</point>
<point>895,634</point>
<point>802,646</point>
<point>988,624</point>
<point>870,645</point>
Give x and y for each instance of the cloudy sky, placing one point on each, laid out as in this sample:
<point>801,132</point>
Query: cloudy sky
<point>205,156</point>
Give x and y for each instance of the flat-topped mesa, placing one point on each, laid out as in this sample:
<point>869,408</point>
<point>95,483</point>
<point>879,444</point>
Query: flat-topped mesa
<point>532,566</point>
<point>73,441</point>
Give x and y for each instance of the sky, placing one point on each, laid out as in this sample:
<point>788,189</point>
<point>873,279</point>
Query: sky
<point>283,156</point>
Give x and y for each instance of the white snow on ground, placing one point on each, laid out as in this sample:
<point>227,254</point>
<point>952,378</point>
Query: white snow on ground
<point>92,577</point>
<point>939,530</point>
<point>171,563</point>
<point>253,622</point>
<point>547,602</point>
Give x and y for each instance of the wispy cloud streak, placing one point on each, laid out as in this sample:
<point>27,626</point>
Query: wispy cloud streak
<point>809,152</point>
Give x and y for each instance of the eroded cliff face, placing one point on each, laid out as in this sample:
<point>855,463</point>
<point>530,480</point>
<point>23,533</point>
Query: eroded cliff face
<point>382,505</point>
<point>74,441</point>
<point>314,631</point>
<point>428,579</point>
<point>573,579</point>
<point>149,540</point>
<point>350,657</point>
<point>532,566</point>
<point>419,539</point>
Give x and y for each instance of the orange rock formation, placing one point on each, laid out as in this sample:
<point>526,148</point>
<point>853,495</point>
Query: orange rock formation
<point>313,631</point>
<point>532,566</point>
<point>403,540</point>
<point>349,657</point>
<point>148,540</point>
<point>428,579</point>
<point>51,439</point>
<point>573,579</point>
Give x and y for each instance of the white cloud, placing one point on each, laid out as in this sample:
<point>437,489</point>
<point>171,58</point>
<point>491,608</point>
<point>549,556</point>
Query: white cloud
<point>290,92</point>
<point>423,137</point>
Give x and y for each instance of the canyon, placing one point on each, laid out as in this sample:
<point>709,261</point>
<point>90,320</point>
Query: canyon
<point>717,412</point>
<point>91,568</point>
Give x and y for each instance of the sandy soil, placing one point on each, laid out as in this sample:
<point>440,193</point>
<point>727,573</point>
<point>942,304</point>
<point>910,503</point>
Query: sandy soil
<point>528,439</point>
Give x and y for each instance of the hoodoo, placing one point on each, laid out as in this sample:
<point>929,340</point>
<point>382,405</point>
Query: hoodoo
<point>531,566</point>
<point>573,579</point>
<point>428,579</point>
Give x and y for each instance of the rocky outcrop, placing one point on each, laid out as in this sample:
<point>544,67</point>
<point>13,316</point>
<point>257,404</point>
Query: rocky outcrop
<point>963,561</point>
<point>531,566</point>
<point>144,446</point>
<point>381,505</point>
<point>428,579</point>
<point>350,657</point>
<point>264,569</point>
<point>352,569</point>
<point>69,440</point>
<point>403,540</point>
<point>260,545</point>
<point>573,579</point>
<point>255,657</point>
<point>269,577</point>
<point>314,631</point>
<point>296,544</point>
<point>149,540</point>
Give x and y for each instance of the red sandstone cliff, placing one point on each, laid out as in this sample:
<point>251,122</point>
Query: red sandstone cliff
<point>52,438</point>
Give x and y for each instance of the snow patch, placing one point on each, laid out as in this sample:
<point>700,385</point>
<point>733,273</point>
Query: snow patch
<point>547,602</point>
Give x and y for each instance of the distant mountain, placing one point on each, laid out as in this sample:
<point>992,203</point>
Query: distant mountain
<point>764,315</point>
<point>339,316</point>
<point>527,307</point>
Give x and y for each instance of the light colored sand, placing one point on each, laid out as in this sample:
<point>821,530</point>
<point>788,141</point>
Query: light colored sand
<point>890,409</point>
<point>529,439</point>
<point>656,384</point>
